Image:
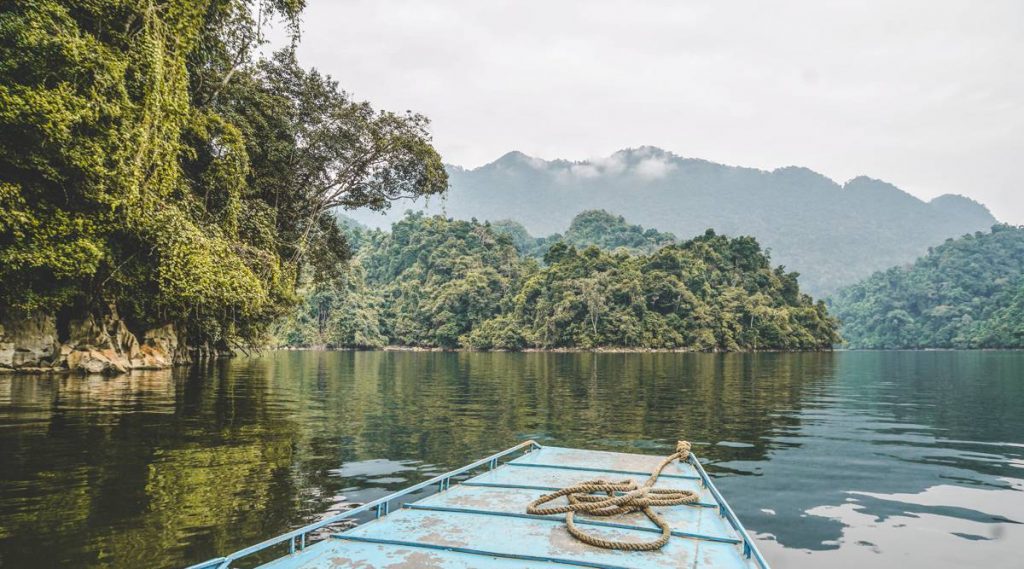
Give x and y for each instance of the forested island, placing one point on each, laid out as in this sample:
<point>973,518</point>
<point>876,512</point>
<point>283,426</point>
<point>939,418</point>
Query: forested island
<point>965,293</point>
<point>434,282</point>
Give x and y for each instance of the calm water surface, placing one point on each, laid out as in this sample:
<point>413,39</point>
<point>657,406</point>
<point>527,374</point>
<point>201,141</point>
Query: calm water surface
<point>856,459</point>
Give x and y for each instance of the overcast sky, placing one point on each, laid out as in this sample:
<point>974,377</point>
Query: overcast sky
<point>926,95</point>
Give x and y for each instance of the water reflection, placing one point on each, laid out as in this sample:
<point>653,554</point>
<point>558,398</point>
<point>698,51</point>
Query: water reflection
<point>832,459</point>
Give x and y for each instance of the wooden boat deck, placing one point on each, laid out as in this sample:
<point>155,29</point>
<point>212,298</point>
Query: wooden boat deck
<point>481,522</point>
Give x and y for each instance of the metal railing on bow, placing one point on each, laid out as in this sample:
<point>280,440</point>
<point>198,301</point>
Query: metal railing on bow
<point>297,541</point>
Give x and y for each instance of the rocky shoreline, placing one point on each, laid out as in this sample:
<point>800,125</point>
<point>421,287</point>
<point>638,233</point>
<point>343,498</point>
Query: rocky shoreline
<point>90,345</point>
<point>597,350</point>
<point>106,346</point>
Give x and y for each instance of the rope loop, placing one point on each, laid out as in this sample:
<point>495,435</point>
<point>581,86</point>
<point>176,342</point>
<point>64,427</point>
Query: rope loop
<point>623,497</point>
<point>683,449</point>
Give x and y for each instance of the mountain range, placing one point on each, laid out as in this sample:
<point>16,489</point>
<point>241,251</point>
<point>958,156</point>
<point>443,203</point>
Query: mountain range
<point>833,234</point>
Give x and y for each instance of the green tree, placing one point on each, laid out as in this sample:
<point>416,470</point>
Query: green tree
<point>149,162</point>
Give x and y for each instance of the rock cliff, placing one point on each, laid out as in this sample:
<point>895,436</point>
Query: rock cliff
<point>90,344</point>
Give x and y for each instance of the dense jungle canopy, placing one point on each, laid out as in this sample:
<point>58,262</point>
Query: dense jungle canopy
<point>438,282</point>
<point>592,227</point>
<point>152,160</point>
<point>965,293</point>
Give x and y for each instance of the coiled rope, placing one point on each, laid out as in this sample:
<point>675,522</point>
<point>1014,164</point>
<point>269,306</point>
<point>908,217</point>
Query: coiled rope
<point>621,498</point>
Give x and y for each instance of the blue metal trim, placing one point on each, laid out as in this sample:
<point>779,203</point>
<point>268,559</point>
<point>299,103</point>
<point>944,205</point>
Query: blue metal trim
<point>561,519</point>
<point>511,486</point>
<point>468,551</point>
<point>585,469</point>
<point>553,489</point>
<point>207,564</point>
<point>224,562</point>
<point>749,548</point>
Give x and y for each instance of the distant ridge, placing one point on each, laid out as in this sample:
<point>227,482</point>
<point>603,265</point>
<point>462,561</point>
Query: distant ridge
<point>833,234</point>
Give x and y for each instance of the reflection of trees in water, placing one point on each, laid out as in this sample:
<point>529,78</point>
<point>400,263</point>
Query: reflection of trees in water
<point>138,470</point>
<point>449,408</point>
<point>651,400</point>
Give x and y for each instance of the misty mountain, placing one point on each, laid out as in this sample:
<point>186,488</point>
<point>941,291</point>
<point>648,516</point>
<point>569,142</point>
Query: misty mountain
<point>833,234</point>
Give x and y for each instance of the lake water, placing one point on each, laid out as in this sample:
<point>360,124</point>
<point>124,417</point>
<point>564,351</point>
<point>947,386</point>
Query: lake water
<point>847,459</point>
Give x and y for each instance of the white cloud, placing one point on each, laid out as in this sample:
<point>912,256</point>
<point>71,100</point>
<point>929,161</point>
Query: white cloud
<point>584,170</point>
<point>612,165</point>
<point>602,166</point>
<point>653,168</point>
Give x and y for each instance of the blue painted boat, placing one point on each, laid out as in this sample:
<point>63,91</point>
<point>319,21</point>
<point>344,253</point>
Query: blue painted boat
<point>480,521</point>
